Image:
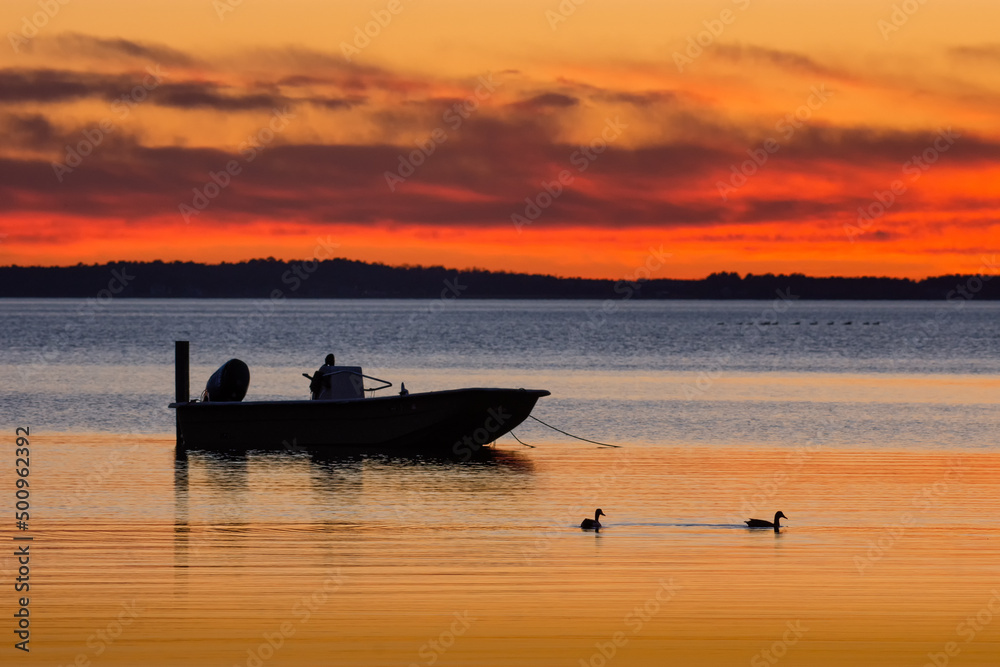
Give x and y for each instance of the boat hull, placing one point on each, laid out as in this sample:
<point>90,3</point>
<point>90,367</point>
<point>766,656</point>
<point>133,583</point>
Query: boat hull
<point>457,421</point>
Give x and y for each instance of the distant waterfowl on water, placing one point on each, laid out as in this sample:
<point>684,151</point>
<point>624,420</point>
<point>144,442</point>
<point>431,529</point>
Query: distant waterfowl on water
<point>761,523</point>
<point>595,522</point>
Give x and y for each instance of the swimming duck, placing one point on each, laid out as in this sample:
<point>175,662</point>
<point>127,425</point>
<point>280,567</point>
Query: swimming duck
<point>760,523</point>
<point>593,523</point>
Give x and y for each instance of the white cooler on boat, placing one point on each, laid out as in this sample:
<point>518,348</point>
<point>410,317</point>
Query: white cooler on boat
<point>342,382</point>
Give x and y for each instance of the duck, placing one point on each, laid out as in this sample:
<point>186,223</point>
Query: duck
<point>593,523</point>
<point>761,523</point>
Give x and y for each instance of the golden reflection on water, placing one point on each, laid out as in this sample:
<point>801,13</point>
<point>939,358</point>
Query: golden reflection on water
<point>293,559</point>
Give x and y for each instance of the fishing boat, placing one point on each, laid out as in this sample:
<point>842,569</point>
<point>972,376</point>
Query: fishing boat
<point>458,421</point>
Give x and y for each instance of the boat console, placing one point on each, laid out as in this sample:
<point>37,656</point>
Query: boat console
<point>341,382</point>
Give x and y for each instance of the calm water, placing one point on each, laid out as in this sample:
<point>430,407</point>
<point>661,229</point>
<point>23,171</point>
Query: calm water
<point>645,373</point>
<point>878,441</point>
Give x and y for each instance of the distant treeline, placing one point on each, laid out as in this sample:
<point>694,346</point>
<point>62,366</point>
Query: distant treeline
<point>342,278</point>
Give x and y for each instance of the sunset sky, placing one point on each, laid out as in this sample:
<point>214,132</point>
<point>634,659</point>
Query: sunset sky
<point>579,138</point>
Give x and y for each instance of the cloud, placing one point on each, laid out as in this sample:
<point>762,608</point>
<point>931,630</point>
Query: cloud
<point>983,52</point>
<point>77,45</point>
<point>642,99</point>
<point>201,95</point>
<point>48,85</point>
<point>312,67</point>
<point>299,80</point>
<point>787,60</point>
<point>873,146</point>
<point>30,131</point>
<point>664,175</point>
<point>336,103</point>
<point>56,86</point>
<point>548,100</point>
<point>477,181</point>
<point>346,84</point>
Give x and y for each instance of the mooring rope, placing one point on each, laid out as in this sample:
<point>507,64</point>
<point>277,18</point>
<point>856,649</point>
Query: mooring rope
<point>521,441</point>
<point>602,444</point>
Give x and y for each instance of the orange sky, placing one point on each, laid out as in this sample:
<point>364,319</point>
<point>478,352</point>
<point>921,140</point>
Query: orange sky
<point>585,143</point>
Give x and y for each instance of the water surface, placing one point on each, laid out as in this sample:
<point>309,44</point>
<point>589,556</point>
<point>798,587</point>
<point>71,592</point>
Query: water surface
<point>878,441</point>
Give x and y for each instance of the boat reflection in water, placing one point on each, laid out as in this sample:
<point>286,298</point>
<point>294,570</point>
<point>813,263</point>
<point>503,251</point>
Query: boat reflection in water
<point>228,501</point>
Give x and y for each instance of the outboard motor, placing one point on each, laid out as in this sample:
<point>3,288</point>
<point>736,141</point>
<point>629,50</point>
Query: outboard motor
<point>229,383</point>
